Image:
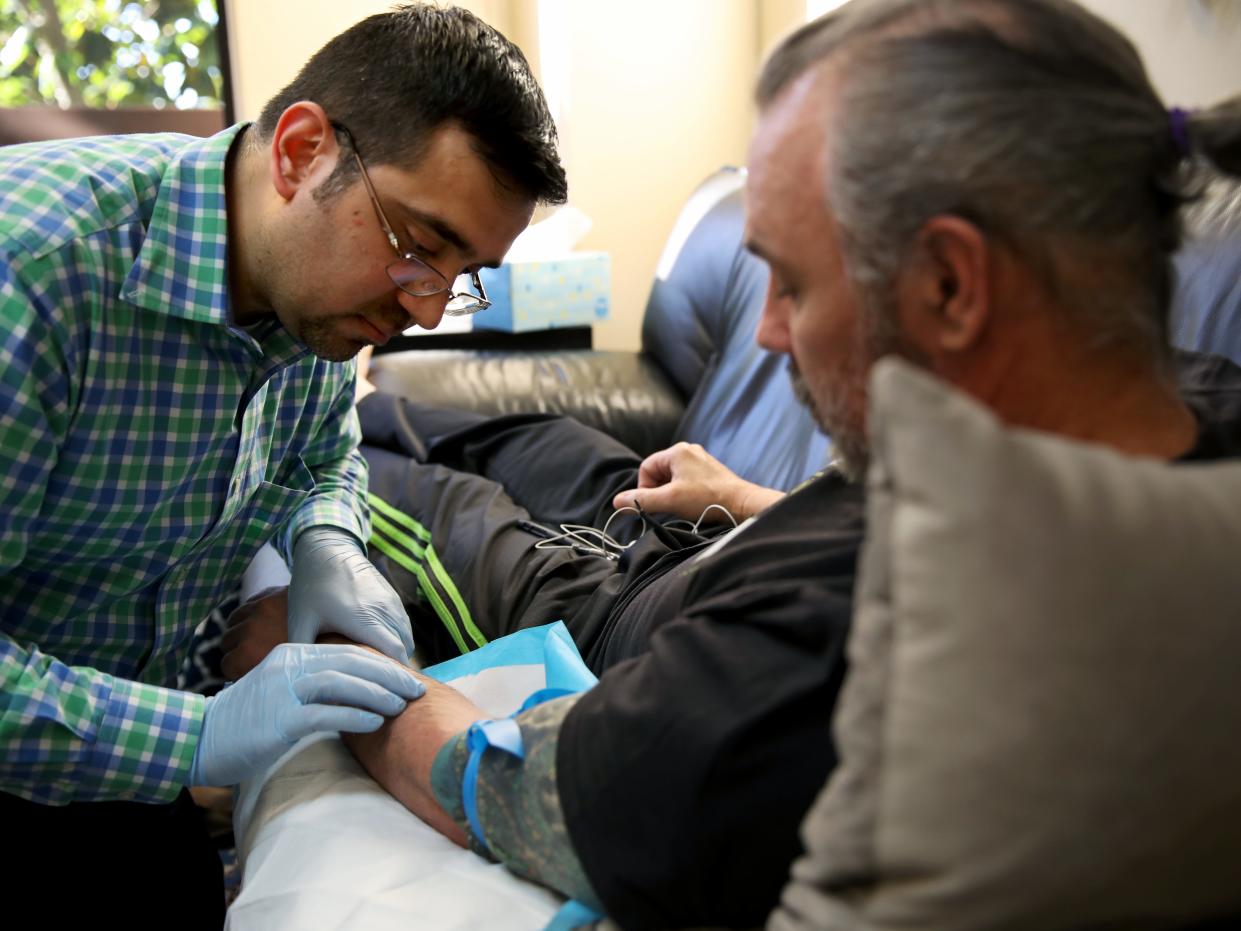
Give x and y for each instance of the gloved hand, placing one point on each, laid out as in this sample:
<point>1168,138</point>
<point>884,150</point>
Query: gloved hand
<point>336,588</point>
<point>297,690</point>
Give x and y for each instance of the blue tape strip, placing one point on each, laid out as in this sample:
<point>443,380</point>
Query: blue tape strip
<point>573,914</point>
<point>503,734</point>
<point>543,695</point>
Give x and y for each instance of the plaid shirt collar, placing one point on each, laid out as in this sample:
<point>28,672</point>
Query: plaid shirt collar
<point>180,271</point>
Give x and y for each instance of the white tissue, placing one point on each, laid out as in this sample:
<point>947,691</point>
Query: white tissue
<point>551,238</point>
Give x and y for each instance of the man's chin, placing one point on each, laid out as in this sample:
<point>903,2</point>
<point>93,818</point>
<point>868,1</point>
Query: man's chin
<point>850,459</point>
<point>850,448</point>
<point>326,342</point>
<point>850,451</point>
<point>337,351</point>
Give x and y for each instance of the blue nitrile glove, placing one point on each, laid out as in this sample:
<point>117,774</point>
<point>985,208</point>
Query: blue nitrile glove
<point>336,588</point>
<point>297,690</point>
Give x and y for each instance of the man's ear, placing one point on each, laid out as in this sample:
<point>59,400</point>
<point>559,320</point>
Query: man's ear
<point>946,287</point>
<point>303,149</point>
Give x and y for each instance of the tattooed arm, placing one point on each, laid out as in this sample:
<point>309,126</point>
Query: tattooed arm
<point>399,755</point>
<point>420,759</point>
<point>518,803</point>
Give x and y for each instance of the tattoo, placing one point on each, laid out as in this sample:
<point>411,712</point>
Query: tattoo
<point>519,804</point>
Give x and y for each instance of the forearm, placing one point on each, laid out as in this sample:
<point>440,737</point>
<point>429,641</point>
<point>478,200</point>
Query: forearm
<point>419,757</point>
<point>399,756</point>
<point>751,499</point>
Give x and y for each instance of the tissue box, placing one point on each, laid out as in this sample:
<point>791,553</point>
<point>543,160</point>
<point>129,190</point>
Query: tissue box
<point>540,295</point>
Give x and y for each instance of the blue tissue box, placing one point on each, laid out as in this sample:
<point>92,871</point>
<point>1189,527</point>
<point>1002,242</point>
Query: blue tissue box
<point>572,291</point>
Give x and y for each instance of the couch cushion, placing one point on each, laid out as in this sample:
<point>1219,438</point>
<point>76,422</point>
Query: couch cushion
<point>1040,726</point>
<point>621,393</point>
<point>699,326</point>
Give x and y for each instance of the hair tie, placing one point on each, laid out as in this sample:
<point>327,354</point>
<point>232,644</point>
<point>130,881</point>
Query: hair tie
<point>1178,120</point>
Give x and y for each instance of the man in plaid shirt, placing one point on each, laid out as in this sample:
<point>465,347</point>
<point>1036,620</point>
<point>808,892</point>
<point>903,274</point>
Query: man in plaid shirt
<point>177,320</point>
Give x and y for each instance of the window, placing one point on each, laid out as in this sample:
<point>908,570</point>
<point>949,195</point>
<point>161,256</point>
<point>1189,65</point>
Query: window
<point>78,67</point>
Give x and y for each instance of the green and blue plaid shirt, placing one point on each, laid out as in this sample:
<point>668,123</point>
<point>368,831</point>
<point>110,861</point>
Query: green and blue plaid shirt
<point>148,448</point>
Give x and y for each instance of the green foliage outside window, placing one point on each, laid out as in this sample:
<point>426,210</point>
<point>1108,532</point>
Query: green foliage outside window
<point>110,53</point>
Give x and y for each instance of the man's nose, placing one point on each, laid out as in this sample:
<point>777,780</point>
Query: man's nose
<point>426,311</point>
<point>773,331</point>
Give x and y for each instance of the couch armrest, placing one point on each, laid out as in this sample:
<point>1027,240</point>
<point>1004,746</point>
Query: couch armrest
<point>624,394</point>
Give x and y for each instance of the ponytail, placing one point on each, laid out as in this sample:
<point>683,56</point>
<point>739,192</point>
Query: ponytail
<point>1215,134</point>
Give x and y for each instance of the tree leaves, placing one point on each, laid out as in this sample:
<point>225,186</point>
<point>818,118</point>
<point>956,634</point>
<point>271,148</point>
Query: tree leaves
<point>110,53</point>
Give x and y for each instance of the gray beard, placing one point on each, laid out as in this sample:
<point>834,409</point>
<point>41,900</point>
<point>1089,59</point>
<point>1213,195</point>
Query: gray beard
<point>850,450</point>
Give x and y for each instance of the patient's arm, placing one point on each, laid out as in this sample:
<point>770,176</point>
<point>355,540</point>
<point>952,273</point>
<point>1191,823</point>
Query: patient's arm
<point>420,760</point>
<point>253,630</point>
<point>685,480</point>
<point>399,755</point>
<point>519,803</point>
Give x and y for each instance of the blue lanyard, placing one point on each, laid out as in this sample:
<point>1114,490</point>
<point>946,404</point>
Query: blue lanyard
<point>504,734</point>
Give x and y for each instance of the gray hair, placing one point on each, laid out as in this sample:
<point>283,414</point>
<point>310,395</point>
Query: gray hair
<point>1035,120</point>
<point>1216,215</point>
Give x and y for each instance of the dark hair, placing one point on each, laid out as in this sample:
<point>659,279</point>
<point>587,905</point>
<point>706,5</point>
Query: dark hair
<point>1032,118</point>
<point>394,78</point>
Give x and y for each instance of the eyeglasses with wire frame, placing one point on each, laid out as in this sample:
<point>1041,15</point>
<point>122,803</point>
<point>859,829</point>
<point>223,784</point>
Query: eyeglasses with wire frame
<point>412,274</point>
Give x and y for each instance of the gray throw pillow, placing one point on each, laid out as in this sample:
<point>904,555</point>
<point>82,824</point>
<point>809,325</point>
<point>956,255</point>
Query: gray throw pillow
<point>1041,727</point>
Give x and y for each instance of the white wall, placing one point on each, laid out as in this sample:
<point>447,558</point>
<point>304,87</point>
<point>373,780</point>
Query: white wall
<point>271,39</point>
<point>659,97</point>
<point>1192,48</point>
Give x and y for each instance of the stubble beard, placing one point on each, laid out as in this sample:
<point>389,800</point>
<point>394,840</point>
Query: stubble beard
<point>842,414</point>
<point>836,418</point>
<point>321,337</point>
